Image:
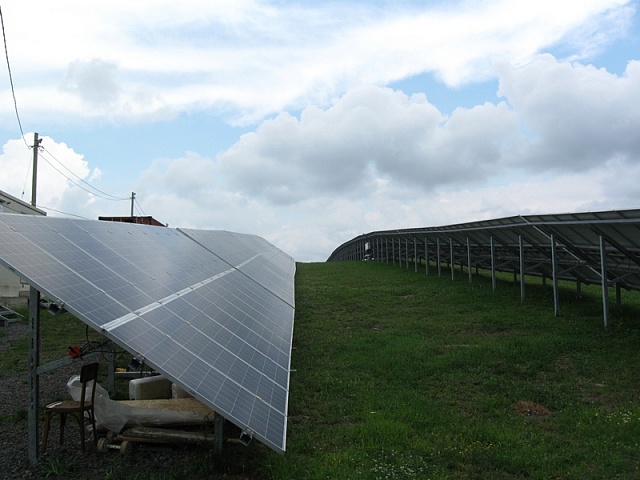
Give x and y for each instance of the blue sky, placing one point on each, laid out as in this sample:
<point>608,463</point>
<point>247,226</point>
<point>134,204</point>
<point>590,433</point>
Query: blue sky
<point>308,123</point>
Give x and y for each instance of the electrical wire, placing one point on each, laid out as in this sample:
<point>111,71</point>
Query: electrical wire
<point>103,195</point>
<point>26,179</point>
<point>64,213</point>
<point>70,180</point>
<point>139,207</point>
<point>15,102</point>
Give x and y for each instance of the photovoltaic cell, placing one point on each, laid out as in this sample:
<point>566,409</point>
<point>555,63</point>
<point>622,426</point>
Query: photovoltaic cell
<point>213,311</point>
<point>272,268</point>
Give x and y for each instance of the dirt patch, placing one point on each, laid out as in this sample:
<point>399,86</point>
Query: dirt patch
<point>68,461</point>
<point>486,331</point>
<point>531,409</point>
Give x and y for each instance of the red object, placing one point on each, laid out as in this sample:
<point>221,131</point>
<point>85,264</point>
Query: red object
<point>74,352</point>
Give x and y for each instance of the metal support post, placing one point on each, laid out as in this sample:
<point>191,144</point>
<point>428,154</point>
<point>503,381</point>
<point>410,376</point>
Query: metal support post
<point>393,252</point>
<point>522,282</point>
<point>438,256</point>
<point>554,269</point>
<point>494,283</point>
<point>605,283</point>
<point>469,260</point>
<point>218,432</point>
<point>426,256</point>
<point>453,270</point>
<point>34,379</point>
<point>406,251</point>
<point>111,370</point>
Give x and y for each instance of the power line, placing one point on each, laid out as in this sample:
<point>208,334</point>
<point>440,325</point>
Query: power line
<point>6,54</point>
<point>104,195</point>
<point>26,178</point>
<point>65,213</point>
<point>139,207</point>
<point>110,197</point>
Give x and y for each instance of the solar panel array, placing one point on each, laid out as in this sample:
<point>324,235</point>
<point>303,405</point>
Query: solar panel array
<point>212,311</point>
<point>502,243</point>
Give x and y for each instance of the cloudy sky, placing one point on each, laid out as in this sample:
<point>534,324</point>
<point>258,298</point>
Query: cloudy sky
<point>311,122</point>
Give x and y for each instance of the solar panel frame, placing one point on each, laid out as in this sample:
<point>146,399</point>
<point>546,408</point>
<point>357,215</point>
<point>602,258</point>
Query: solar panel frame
<point>576,236</point>
<point>198,315</point>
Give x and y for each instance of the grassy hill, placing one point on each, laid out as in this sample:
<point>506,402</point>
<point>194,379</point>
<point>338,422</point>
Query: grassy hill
<point>399,375</point>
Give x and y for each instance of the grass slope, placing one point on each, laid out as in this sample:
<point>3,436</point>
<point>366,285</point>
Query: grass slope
<point>399,375</point>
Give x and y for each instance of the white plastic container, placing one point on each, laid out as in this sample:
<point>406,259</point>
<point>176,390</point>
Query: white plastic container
<point>177,392</point>
<point>149,388</point>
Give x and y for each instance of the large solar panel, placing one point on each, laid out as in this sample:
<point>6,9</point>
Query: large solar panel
<point>212,311</point>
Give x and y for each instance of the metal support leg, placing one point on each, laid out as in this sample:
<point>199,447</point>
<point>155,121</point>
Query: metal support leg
<point>522,283</point>
<point>469,261</point>
<point>406,252</point>
<point>426,256</point>
<point>605,283</point>
<point>34,380</point>
<point>493,265</point>
<point>453,272</point>
<point>218,432</point>
<point>111,370</point>
<point>554,269</point>
<point>438,256</point>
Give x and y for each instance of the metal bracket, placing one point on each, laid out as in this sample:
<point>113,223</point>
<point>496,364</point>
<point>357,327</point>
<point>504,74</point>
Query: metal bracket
<point>246,436</point>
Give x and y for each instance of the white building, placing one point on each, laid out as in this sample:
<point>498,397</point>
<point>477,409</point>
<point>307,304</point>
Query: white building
<point>11,286</point>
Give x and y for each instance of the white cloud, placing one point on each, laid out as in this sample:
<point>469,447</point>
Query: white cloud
<point>254,57</point>
<point>558,144</point>
<point>93,81</point>
<point>579,117</point>
<point>368,134</point>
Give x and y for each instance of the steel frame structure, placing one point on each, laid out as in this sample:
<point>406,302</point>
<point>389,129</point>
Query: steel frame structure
<point>587,248</point>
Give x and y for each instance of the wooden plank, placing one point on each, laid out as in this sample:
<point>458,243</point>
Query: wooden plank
<point>164,435</point>
<point>189,405</point>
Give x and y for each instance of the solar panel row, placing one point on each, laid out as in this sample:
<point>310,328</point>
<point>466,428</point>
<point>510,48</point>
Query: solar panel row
<point>501,243</point>
<point>213,311</point>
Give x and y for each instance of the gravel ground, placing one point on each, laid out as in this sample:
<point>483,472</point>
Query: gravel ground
<point>68,461</point>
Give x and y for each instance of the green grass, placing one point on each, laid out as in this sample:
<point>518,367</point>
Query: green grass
<point>400,375</point>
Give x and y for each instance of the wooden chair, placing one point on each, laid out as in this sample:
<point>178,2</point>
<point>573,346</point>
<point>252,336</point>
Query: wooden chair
<point>75,408</point>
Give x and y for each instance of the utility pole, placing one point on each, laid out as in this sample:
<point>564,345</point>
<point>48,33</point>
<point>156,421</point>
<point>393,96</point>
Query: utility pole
<point>133,197</point>
<point>34,338</point>
<point>36,145</point>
